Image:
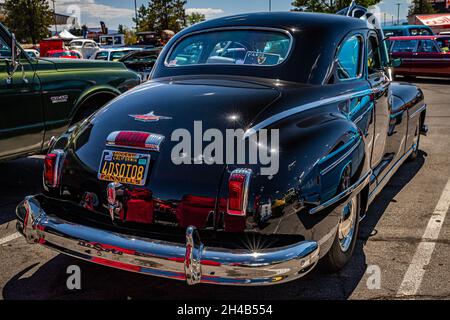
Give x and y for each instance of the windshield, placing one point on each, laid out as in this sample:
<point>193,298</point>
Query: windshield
<point>238,47</point>
<point>115,56</point>
<point>76,44</point>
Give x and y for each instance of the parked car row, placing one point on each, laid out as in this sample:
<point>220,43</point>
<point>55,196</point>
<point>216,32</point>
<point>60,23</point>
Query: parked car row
<point>422,53</point>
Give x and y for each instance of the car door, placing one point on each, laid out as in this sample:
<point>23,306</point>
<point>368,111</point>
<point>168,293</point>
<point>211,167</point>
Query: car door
<point>21,113</point>
<point>404,49</point>
<point>428,60</point>
<point>380,84</point>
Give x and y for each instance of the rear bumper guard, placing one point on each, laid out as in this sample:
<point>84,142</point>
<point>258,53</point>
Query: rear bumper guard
<point>191,262</point>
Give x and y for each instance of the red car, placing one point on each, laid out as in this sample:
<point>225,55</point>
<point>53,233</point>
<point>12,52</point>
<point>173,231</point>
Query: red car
<point>65,54</point>
<point>421,56</point>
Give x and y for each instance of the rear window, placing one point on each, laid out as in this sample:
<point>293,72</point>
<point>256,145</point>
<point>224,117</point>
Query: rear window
<point>76,44</point>
<point>420,32</point>
<point>404,46</point>
<point>233,47</point>
<point>393,32</point>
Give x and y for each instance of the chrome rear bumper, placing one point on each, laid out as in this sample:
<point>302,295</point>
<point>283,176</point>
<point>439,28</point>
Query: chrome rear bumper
<point>192,262</point>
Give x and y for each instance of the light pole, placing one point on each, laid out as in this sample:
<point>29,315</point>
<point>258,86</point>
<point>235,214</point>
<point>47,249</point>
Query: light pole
<point>385,19</point>
<point>398,13</point>
<point>270,5</point>
<point>54,18</point>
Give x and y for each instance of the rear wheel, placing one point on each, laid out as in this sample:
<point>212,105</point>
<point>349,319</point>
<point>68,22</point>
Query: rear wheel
<point>344,243</point>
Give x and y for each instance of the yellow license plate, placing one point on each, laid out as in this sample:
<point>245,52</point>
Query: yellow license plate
<point>124,167</point>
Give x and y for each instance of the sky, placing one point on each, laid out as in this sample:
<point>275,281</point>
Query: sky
<point>115,12</point>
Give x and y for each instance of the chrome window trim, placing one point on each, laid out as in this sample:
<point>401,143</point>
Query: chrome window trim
<point>177,42</point>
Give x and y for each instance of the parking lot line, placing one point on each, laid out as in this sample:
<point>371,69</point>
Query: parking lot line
<point>414,275</point>
<point>9,238</point>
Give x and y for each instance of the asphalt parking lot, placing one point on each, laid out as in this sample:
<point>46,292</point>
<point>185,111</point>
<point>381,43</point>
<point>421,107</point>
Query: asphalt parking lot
<point>405,237</point>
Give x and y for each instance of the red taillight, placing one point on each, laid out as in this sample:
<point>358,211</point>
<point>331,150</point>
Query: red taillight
<point>135,140</point>
<point>238,191</point>
<point>52,168</point>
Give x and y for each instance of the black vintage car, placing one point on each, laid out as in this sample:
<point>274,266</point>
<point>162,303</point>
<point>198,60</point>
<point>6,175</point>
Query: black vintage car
<point>124,189</point>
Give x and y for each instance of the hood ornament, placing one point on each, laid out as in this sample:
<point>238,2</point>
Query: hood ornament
<point>149,117</point>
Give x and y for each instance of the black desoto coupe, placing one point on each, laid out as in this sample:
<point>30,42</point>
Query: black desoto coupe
<point>253,152</point>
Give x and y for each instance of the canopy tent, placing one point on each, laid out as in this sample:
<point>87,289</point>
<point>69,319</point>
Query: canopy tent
<point>67,35</point>
<point>435,20</point>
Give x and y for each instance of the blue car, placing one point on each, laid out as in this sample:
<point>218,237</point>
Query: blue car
<point>407,30</point>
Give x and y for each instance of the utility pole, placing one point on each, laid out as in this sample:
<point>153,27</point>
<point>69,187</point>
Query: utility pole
<point>270,5</point>
<point>54,18</point>
<point>398,13</point>
<point>384,19</point>
<point>135,14</point>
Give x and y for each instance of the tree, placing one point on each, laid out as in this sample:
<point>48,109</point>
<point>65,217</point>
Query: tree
<point>28,19</point>
<point>161,15</point>
<point>130,37</point>
<point>420,7</point>
<point>121,29</point>
<point>328,6</point>
<point>194,17</point>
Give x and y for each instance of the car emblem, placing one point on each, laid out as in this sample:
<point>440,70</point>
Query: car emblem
<point>261,59</point>
<point>149,117</point>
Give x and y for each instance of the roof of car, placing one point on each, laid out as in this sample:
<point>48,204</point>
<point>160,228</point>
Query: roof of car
<point>283,20</point>
<point>406,26</point>
<point>405,38</point>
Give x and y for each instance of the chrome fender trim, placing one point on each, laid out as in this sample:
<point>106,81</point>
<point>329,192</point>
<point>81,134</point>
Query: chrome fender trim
<point>355,188</point>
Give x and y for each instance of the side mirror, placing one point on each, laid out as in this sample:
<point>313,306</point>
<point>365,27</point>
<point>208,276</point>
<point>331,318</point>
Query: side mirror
<point>395,63</point>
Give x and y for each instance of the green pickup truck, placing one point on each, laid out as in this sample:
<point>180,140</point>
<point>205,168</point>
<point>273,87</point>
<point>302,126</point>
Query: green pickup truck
<point>41,98</point>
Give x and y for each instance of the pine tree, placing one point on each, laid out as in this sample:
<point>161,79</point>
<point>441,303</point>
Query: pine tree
<point>328,6</point>
<point>28,19</point>
<point>420,7</point>
<point>162,15</point>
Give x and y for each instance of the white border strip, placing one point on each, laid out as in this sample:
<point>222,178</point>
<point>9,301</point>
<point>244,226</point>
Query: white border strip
<point>422,257</point>
<point>9,238</point>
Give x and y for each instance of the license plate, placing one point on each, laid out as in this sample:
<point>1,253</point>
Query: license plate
<point>124,167</point>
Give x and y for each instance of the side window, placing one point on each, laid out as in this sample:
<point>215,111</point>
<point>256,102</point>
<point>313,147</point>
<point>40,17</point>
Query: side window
<point>5,50</point>
<point>404,46</point>
<point>427,46</point>
<point>349,58</point>
<point>373,55</point>
<point>102,55</point>
<point>88,45</point>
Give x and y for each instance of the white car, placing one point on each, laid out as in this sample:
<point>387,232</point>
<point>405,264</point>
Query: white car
<point>86,47</point>
<point>113,54</point>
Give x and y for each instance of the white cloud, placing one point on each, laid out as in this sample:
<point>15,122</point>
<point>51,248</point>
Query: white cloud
<point>208,12</point>
<point>87,9</point>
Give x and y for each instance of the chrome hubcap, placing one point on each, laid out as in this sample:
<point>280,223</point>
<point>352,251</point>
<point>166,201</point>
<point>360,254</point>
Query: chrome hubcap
<point>347,224</point>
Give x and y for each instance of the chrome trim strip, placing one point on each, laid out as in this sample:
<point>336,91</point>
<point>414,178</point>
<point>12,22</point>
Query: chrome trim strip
<point>243,267</point>
<point>359,185</point>
<point>418,111</point>
<point>291,44</point>
<point>334,164</point>
<point>365,113</point>
<point>287,113</point>
<point>389,174</point>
